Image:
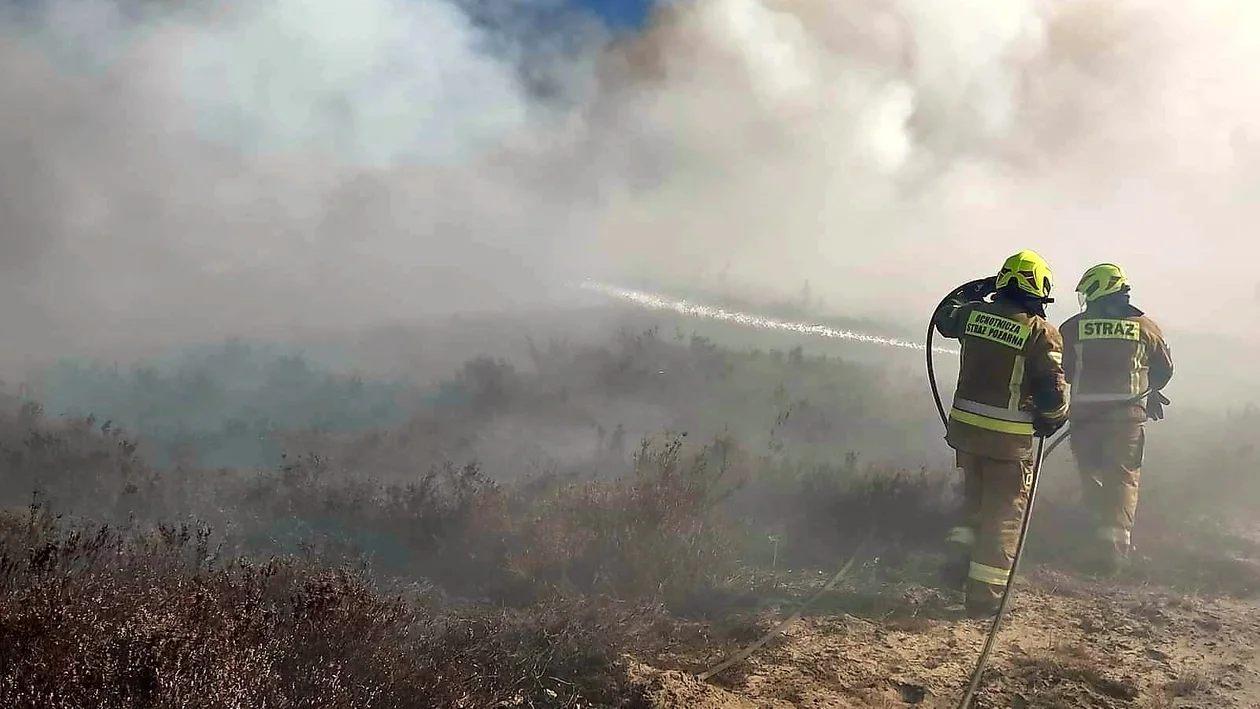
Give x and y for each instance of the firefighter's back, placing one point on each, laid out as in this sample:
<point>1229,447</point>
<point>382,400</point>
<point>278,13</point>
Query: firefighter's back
<point>991,415</point>
<point>1108,358</point>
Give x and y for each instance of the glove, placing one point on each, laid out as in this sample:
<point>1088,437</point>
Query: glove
<point>1155,406</point>
<point>1045,428</point>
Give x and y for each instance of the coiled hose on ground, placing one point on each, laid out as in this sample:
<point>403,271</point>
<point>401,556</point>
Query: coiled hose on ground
<point>1042,451</point>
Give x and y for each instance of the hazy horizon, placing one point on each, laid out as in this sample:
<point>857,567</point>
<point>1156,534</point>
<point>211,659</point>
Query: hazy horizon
<point>190,173</point>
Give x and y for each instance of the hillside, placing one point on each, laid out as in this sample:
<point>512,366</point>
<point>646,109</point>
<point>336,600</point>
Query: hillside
<point>588,525</point>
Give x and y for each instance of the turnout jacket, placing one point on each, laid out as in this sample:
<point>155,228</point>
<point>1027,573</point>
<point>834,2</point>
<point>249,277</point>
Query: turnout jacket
<point>1010,375</point>
<point>1113,352</point>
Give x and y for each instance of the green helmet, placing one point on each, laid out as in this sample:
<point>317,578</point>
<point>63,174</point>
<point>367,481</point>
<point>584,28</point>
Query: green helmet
<point>1029,272</point>
<point>1098,281</point>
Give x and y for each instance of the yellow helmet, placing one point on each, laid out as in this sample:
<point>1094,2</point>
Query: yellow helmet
<point>1029,272</point>
<point>1100,280</point>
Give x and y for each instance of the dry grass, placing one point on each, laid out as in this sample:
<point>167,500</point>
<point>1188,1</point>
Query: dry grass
<point>154,614</point>
<point>1188,683</point>
<point>476,592</point>
<point>1070,673</point>
<point>98,617</point>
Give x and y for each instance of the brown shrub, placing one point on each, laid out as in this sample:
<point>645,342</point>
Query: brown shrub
<point>820,513</point>
<point>654,536</point>
<point>74,461</point>
<point>94,617</point>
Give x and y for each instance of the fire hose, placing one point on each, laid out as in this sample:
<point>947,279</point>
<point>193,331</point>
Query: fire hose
<point>796,615</point>
<point>1042,451</point>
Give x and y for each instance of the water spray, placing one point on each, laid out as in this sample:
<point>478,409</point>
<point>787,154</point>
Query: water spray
<point>657,301</point>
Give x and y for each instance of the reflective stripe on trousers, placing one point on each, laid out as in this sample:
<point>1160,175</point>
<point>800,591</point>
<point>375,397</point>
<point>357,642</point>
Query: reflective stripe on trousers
<point>991,575</point>
<point>992,418</point>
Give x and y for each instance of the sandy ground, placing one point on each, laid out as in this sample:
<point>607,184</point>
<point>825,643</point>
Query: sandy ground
<point>1068,642</point>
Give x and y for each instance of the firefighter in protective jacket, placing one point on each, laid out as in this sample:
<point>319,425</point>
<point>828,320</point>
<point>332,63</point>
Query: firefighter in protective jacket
<point>1011,387</point>
<point>1116,361</point>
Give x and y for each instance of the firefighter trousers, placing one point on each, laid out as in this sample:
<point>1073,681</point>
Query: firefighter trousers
<point>995,498</point>
<point>1109,460</point>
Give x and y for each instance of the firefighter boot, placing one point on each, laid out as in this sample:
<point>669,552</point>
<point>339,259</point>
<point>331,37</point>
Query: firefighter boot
<point>953,573</point>
<point>983,600</point>
<point>1107,557</point>
<point>1114,557</point>
<point>982,611</point>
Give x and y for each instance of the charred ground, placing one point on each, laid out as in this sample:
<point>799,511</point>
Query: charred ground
<point>588,525</point>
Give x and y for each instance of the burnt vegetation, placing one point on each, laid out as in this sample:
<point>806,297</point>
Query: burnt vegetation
<point>403,561</point>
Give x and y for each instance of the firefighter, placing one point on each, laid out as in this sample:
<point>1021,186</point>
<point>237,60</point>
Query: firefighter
<point>1114,356</point>
<point>1011,387</point>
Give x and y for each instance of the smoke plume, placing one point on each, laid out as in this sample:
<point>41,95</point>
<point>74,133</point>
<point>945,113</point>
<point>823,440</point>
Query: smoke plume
<point>186,171</point>
<point>885,151</point>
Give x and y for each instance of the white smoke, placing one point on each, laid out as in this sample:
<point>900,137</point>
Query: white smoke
<point>265,168</point>
<point>376,83</point>
<point>890,153</point>
<point>262,169</point>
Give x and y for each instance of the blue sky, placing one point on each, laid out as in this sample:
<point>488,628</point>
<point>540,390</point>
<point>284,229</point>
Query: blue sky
<point>618,14</point>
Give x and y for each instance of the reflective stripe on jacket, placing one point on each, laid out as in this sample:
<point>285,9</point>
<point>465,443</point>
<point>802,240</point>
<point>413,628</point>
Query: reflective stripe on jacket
<point>992,418</point>
<point>1011,371</point>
